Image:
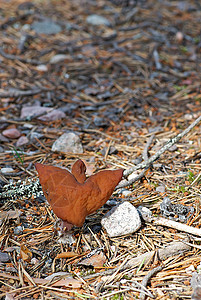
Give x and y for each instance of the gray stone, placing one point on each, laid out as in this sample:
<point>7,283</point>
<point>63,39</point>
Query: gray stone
<point>160,189</point>
<point>42,68</point>
<point>23,140</point>
<point>12,133</point>
<point>48,114</point>
<point>98,20</point>
<point>58,58</point>
<point>145,213</point>
<point>126,193</point>
<point>68,142</point>
<point>18,230</point>
<point>122,219</point>
<point>34,135</point>
<point>4,257</point>
<point>7,170</point>
<point>46,27</point>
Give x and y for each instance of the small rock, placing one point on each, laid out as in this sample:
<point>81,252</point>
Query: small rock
<point>42,68</point>
<point>122,219</point>
<point>66,238</point>
<point>57,58</point>
<point>112,150</point>
<point>34,261</point>
<point>18,230</point>
<point>34,135</point>
<point>126,193</point>
<point>155,129</point>
<point>160,189</point>
<point>145,213</point>
<point>7,170</point>
<point>195,280</point>
<point>68,142</point>
<point>49,114</point>
<point>179,36</point>
<point>12,133</point>
<point>190,269</point>
<point>23,140</point>
<point>53,115</point>
<point>4,257</point>
<point>100,122</point>
<point>28,125</point>
<point>98,20</point>
<point>46,27</point>
<point>3,139</point>
<point>112,202</point>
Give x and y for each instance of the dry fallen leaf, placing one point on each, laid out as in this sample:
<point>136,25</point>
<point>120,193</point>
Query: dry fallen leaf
<point>25,253</point>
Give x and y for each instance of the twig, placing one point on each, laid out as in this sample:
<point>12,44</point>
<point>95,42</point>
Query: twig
<point>139,176</point>
<point>18,93</point>
<point>15,57</point>
<point>176,225</point>
<point>170,223</point>
<point>146,280</point>
<point>124,183</point>
<point>169,144</point>
<point>146,149</point>
<point>172,249</point>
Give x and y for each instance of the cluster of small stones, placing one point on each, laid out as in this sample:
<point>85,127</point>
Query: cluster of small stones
<point>21,189</point>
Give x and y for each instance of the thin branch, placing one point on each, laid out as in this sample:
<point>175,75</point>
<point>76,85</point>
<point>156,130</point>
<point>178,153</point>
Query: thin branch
<point>146,280</point>
<point>19,93</point>
<point>167,146</point>
<point>174,248</point>
<point>15,57</point>
<point>146,149</point>
<point>176,225</point>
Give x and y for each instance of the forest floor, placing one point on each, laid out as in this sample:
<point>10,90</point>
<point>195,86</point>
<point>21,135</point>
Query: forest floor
<point>118,84</point>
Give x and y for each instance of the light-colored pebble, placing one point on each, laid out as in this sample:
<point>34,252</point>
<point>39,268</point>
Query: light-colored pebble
<point>23,140</point>
<point>126,193</point>
<point>98,20</point>
<point>7,170</point>
<point>121,219</point>
<point>68,142</point>
<point>12,133</point>
<point>57,58</point>
<point>160,189</point>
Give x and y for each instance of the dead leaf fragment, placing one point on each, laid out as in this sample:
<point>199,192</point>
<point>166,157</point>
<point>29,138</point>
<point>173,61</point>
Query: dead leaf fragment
<point>68,254</point>
<point>10,214</point>
<point>97,260</point>
<point>25,253</point>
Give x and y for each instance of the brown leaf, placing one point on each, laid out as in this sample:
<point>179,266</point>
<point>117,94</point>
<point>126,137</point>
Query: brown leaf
<point>71,200</point>
<point>66,255</point>
<point>97,260</point>
<point>25,253</point>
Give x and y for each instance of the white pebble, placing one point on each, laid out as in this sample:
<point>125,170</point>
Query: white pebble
<point>68,142</point>
<point>121,219</point>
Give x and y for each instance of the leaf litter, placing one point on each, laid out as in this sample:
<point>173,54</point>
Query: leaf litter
<point>129,87</point>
